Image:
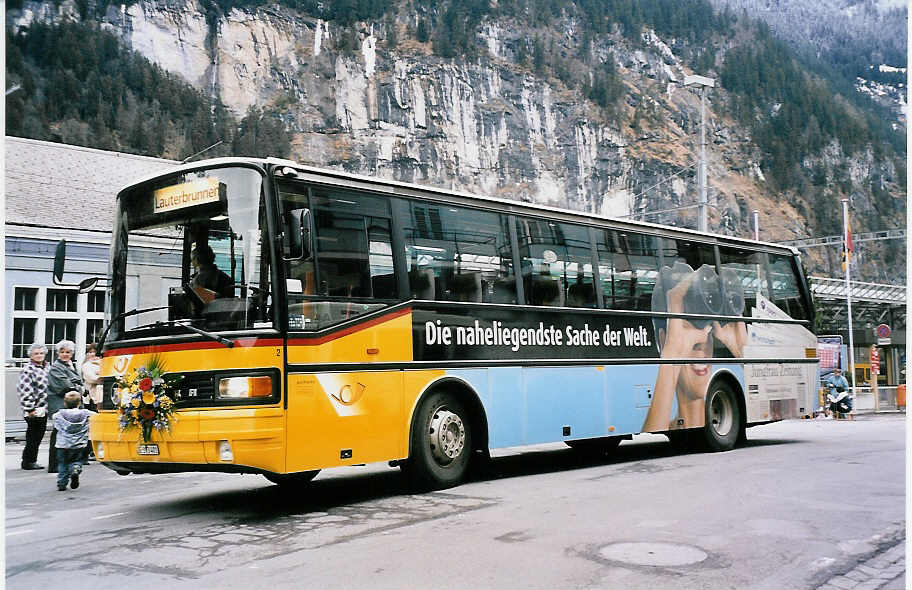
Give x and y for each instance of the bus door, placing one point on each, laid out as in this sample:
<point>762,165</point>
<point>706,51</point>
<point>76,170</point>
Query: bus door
<point>340,412</point>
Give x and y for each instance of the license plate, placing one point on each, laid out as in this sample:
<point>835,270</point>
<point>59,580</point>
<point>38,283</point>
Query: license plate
<point>148,449</point>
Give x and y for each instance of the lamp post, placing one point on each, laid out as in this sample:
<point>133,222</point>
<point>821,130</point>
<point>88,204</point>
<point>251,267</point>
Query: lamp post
<point>703,83</point>
<point>847,256</point>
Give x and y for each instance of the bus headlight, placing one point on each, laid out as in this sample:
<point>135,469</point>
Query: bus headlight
<point>245,387</point>
<point>99,451</point>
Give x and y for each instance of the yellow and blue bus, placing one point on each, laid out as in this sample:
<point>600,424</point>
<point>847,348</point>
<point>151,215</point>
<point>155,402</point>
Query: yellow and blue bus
<point>337,320</point>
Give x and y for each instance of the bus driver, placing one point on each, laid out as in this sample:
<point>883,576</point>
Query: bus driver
<point>207,276</point>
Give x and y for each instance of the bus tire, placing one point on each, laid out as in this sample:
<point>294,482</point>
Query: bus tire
<point>440,443</point>
<point>291,479</point>
<point>723,417</point>
<point>595,446</point>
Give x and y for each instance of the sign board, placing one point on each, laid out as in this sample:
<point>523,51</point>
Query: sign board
<point>828,351</point>
<point>875,360</point>
<point>188,194</point>
<point>883,334</point>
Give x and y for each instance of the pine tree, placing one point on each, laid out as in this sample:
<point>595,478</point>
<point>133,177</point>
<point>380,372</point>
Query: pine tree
<point>422,33</point>
<point>392,35</point>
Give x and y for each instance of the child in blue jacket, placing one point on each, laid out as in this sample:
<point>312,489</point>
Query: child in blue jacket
<point>72,424</point>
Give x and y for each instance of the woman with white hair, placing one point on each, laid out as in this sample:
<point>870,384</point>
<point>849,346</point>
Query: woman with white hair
<point>32,390</point>
<point>63,377</point>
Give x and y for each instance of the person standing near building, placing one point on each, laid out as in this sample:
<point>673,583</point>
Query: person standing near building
<point>63,377</point>
<point>94,391</point>
<point>32,390</point>
<point>91,377</point>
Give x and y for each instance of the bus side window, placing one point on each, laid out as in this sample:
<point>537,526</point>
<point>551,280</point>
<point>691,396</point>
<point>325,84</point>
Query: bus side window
<point>354,252</point>
<point>458,254</point>
<point>694,254</point>
<point>556,261</point>
<point>353,255</point>
<point>628,267</point>
<point>750,267</point>
<point>786,291</point>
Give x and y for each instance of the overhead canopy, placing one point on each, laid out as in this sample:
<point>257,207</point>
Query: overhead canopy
<point>872,303</point>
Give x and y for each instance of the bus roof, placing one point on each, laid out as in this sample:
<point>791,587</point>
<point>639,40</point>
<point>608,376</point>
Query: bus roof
<point>406,189</point>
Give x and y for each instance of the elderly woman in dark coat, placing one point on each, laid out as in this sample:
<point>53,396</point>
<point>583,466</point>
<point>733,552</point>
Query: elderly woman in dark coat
<point>63,377</point>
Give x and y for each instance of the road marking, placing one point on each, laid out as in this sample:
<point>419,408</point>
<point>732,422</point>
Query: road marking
<point>108,515</point>
<point>10,534</point>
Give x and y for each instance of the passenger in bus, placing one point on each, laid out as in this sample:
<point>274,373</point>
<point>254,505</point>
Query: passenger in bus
<point>580,294</point>
<point>467,287</point>
<point>681,338</point>
<point>206,275</point>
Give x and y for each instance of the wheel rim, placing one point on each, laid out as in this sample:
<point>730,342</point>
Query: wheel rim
<point>446,435</point>
<point>721,414</point>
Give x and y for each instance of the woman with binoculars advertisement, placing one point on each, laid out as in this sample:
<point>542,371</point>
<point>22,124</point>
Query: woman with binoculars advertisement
<point>682,290</point>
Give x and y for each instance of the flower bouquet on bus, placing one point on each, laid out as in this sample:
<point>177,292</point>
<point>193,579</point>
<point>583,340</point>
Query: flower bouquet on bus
<point>143,399</point>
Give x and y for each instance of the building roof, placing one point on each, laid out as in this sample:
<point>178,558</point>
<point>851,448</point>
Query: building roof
<point>56,185</point>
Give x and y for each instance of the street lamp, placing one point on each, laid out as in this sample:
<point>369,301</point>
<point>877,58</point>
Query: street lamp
<point>703,83</point>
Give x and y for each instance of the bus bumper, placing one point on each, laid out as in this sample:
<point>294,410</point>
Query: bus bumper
<point>235,440</point>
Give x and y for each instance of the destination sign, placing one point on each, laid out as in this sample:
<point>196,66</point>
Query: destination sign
<point>188,194</point>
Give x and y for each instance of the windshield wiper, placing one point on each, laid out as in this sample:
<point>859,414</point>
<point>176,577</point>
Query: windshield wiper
<point>210,335</point>
<point>192,328</point>
<point>117,318</point>
<point>120,316</point>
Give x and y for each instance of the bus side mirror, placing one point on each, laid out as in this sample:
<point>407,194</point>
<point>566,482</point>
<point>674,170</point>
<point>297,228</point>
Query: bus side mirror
<point>84,285</point>
<point>298,235</point>
<point>59,260</point>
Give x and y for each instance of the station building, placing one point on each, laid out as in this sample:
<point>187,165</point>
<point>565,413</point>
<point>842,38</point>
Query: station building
<point>55,191</point>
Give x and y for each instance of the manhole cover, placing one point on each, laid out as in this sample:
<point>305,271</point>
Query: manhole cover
<point>661,554</point>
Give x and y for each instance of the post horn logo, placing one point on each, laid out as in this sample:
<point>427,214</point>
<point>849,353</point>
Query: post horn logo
<point>349,394</point>
<point>121,363</point>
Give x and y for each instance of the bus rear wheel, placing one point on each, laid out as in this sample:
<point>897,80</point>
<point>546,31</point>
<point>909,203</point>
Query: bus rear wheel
<point>291,479</point>
<point>723,418</point>
<point>440,443</point>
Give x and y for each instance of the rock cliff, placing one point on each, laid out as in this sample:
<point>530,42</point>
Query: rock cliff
<point>486,125</point>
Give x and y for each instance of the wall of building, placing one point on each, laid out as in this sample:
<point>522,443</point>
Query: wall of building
<point>29,266</point>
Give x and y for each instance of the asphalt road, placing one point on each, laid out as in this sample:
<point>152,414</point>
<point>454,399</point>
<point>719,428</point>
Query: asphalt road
<point>801,502</point>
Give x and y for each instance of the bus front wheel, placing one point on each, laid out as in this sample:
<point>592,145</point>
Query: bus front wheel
<point>440,443</point>
<point>723,418</point>
<point>291,479</point>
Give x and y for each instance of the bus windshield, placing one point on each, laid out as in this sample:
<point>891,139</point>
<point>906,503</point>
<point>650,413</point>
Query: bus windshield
<point>203,233</point>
